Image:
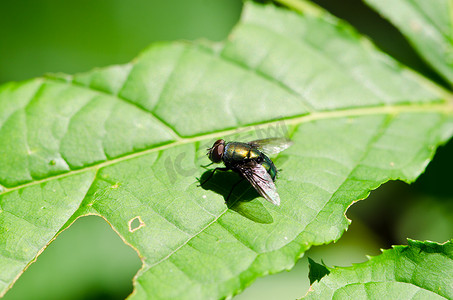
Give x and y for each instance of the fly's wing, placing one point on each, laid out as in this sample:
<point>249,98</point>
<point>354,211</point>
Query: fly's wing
<point>272,145</point>
<point>257,175</point>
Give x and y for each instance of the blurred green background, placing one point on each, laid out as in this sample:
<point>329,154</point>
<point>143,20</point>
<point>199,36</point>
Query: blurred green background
<point>89,261</point>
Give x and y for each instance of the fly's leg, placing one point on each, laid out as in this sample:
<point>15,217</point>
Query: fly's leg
<point>232,188</point>
<point>205,166</point>
<point>212,174</point>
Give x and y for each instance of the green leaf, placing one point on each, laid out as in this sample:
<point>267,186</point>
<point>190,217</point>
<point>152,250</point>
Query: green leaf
<point>421,270</point>
<point>427,25</point>
<point>127,143</point>
<point>317,271</point>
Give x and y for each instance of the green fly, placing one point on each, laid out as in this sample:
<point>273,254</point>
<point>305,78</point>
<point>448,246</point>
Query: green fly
<point>250,161</point>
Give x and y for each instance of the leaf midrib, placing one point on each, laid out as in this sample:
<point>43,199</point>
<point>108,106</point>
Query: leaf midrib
<point>445,108</point>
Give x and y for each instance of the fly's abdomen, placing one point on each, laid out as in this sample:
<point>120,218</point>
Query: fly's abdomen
<point>269,166</point>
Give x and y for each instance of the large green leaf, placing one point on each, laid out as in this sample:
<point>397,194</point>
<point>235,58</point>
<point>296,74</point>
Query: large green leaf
<point>421,270</point>
<point>126,143</point>
<point>428,26</point>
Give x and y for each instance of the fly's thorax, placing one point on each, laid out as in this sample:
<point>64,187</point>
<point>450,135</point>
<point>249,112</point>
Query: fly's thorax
<point>236,152</point>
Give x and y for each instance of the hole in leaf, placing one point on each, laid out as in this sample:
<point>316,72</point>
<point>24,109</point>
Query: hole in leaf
<point>135,224</point>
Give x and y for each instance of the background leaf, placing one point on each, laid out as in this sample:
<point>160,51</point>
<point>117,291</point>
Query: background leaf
<point>317,271</point>
<point>124,142</point>
<point>428,26</point>
<point>420,270</point>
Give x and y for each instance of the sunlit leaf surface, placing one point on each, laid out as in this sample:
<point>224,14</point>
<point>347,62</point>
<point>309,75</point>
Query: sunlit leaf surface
<point>127,143</point>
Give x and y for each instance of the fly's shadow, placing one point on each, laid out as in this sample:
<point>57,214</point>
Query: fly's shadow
<point>243,198</point>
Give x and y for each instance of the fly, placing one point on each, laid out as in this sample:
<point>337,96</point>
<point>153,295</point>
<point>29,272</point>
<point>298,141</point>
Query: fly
<point>250,162</point>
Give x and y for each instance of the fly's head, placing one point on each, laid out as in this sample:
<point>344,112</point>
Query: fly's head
<point>215,153</point>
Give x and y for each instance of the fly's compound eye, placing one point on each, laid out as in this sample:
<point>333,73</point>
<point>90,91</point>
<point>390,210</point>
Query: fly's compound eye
<point>216,152</point>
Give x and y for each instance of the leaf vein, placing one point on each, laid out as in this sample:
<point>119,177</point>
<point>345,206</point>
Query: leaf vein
<point>262,75</point>
<point>368,146</point>
<point>442,108</point>
<point>187,241</point>
<point>128,101</point>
